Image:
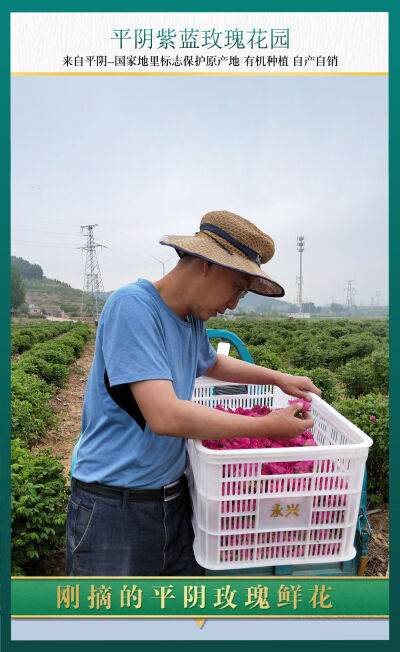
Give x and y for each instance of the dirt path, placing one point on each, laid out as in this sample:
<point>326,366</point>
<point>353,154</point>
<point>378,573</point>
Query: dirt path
<point>68,404</point>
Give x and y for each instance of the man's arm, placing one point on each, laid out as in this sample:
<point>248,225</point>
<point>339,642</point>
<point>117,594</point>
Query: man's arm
<point>168,415</point>
<point>238,371</point>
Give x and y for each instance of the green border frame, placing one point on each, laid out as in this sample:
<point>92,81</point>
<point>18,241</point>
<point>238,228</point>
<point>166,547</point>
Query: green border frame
<point>175,5</point>
<point>36,597</point>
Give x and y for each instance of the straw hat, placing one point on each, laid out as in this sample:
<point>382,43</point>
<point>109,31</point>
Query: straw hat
<point>233,242</point>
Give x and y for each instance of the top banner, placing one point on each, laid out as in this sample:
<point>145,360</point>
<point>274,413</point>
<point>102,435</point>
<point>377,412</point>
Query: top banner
<point>327,43</point>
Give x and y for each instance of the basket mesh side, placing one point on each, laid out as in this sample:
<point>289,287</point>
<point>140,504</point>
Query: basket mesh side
<point>247,515</point>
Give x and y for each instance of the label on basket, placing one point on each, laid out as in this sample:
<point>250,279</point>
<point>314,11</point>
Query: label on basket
<point>284,512</point>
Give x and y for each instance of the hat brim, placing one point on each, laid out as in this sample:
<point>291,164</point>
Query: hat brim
<point>203,247</point>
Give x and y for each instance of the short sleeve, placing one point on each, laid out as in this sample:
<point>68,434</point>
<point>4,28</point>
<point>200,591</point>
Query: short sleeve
<point>132,342</point>
<point>207,355</point>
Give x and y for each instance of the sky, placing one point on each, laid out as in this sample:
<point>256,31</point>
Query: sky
<point>147,156</point>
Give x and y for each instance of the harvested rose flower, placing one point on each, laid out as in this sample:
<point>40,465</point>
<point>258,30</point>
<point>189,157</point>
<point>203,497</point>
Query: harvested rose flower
<point>240,489</point>
<point>306,404</point>
<point>304,439</point>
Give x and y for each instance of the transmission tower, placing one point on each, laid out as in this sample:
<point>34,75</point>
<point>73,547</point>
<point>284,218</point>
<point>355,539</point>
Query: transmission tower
<point>299,279</point>
<point>378,297</point>
<point>92,281</point>
<point>350,292</point>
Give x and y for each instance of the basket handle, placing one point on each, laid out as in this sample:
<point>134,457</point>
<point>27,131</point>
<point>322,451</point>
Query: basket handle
<point>233,339</point>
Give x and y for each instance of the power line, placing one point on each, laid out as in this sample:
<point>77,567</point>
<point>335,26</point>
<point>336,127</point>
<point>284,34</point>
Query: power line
<point>130,253</point>
<point>42,244</point>
<point>21,228</point>
<point>120,251</point>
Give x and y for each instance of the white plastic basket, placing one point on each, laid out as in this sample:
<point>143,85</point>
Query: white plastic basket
<point>243,518</point>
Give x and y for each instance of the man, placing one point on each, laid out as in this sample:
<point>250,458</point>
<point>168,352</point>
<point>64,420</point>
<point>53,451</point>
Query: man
<point>129,511</point>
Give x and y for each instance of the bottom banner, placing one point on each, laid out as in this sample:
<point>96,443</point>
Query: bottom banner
<point>199,597</point>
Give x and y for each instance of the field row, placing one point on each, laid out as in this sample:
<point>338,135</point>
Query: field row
<point>24,337</point>
<point>38,488</point>
<point>347,359</point>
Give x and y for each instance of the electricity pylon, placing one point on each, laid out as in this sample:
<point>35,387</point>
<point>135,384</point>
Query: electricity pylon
<point>299,279</point>
<point>92,281</point>
<point>350,292</point>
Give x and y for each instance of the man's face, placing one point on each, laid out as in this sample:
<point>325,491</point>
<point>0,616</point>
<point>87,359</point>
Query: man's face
<point>221,289</point>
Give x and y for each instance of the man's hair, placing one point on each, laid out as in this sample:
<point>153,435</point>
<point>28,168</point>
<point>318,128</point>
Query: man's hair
<point>186,259</point>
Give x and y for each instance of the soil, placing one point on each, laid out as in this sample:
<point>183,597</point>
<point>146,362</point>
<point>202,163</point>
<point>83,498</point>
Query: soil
<point>68,404</point>
<point>378,547</point>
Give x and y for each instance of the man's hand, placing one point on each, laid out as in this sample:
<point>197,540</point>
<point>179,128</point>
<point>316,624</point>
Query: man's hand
<point>239,371</point>
<point>288,423</point>
<point>297,386</point>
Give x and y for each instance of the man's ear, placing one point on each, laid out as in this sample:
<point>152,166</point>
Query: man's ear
<point>206,268</point>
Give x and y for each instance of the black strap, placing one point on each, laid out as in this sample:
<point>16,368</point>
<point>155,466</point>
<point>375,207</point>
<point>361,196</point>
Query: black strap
<point>250,253</point>
<point>123,397</point>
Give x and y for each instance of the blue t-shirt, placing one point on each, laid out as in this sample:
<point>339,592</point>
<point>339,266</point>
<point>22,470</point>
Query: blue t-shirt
<point>138,338</point>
